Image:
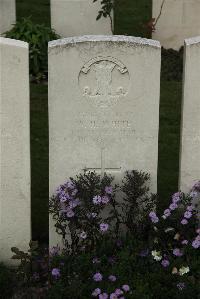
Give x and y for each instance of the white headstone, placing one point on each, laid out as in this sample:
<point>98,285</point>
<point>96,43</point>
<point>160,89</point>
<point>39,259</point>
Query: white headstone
<point>103,107</point>
<point>78,17</point>
<point>7,15</point>
<point>179,20</point>
<point>190,147</point>
<point>14,147</point>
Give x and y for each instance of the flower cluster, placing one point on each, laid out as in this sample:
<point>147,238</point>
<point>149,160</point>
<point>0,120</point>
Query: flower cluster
<point>117,293</point>
<point>154,218</point>
<point>105,198</point>
<point>171,235</point>
<point>66,195</point>
<point>196,241</point>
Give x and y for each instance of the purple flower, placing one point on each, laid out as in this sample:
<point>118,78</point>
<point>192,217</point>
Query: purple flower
<point>173,206</point>
<point>118,292</point>
<point>69,184</point>
<point>126,288</point>
<point>70,214</point>
<point>97,277</point>
<point>153,217</point>
<point>177,252</point>
<point>97,200</point>
<point>165,263</point>
<point>180,286</point>
<point>112,278</point>
<point>176,197</point>
<point>184,221</point>
<point>188,214</point>
<point>190,208</point>
<point>167,212</point>
<point>74,203</point>
<point>96,292</point>
<point>184,242</point>
<point>193,194</point>
<point>108,190</point>
<point>55,250</point>
<point>113,296</point>
<point>196,244</point>
<point>105,199</point>
<point>103,296</point>
<point>64,196</point>
<point>104,227</point>
<point>55,273</point>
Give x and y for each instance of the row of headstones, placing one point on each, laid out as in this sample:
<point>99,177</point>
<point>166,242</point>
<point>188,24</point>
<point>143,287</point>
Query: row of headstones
<point>177,19</point>
<point>68,17</point>
<point>103,116</point>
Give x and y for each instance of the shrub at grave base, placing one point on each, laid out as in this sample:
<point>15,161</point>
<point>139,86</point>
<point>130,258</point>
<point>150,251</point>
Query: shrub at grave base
<point>90,207</point>
<point>101,262</point>
<point>159,259</point>
<point>37,36</point>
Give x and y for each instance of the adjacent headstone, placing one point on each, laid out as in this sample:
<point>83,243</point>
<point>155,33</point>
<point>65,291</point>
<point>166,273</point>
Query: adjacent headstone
<point>103,107</point>
<point>78,17</point>
<point>7,15</point>
<point>15,224</point>
<point>190,147</point>
<point>179,20</point>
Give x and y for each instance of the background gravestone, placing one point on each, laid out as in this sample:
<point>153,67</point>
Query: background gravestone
<point>7,15</point>
<point>78,17</point>
<point>15,228</point>
<point>190,147</point>
<point>179,20</point>
<point>103,107</point>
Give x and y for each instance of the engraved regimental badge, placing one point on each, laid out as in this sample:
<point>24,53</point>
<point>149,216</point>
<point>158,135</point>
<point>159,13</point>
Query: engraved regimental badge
<point>104,81</point>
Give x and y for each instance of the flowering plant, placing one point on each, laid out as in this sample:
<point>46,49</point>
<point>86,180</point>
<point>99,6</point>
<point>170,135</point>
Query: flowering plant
<point>91,209</point>
<point>176,235</point>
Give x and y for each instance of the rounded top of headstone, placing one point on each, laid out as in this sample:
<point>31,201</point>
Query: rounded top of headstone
<point>193,40</point>
<point>104,38</point>
<point>13,42</point>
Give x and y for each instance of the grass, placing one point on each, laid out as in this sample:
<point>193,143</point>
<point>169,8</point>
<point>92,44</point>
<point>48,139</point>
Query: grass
<point>169,139</point>
<point>39,161</point>
<point>130,17</point>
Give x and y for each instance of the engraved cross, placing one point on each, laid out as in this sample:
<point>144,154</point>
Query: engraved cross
<point>103,169</point>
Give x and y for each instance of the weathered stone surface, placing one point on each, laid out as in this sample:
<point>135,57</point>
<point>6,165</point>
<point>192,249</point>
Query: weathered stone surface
<point>103,107</point>
<point>15,224</point>
<point>7,15</point>
<point>179,20</point>
<point>78,17</point>
<point>190,147</point>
